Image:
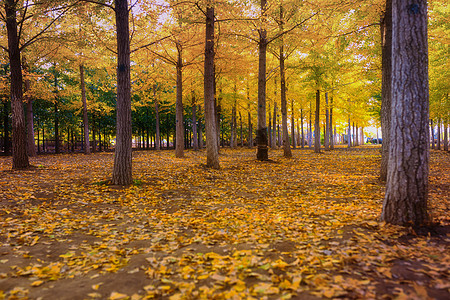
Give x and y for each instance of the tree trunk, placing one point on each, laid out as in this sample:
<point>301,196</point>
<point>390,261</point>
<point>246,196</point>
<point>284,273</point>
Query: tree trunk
<point>286,145</point>
<point>432,135</point>
<point>349,138</point>
<point>6,144</point>
<point>194,123</point>
<point>438,145</point>
<point>326,134</point>
<point>179,147</point>
<point>200,132</point>
<point>293,125</point>
<point>250,130</point>
<point>446,135</point>
<point>301,124</point>
<point>122,172</point>
<point>270,129</point>
<point>157,121</point>
<point>261,133</point>
<point>317,124</point>
<point>274,131</point>
<point>233,126</point>
<point>19,136</point>
<point>212,149</point>
<point>30,119</point>
<point>310,126</point>
<point>331,125</point>
<point>87,147</point>
<point>386,69</point>
<point>406,197</point>
<point>57,149</point>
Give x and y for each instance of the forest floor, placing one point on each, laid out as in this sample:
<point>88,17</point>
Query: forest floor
<point>304,228</point>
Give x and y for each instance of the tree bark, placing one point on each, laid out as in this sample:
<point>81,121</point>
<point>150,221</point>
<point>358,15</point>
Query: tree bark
<point>310,126</point>
<point>19,136</point>
<point>269,131</point>
<point>57,146</point>
<point>194,123</point>
<point>386,69</point>
<point>317,124</point>
<point>293,125</point>
<point>122,172</point>
<point>200,133</point>
<point>157,121</point>
<point>326,134</point>
<point>261,133</point>
<point>29,111</point>
<point>331,125</point>
<point>274,131</point>
<point>250,129</point>
<point>438,133</point>
<point>212,149</point>
<point>349,138</point>
<point>6,145</point>
<point>242,132</point>
<point>301,124</point>
<point>87,147</point>
<point>406,200</point>
<point>286,144</point>
<point>432,135</point>
<point>179,146</point>
<point>446,135</point>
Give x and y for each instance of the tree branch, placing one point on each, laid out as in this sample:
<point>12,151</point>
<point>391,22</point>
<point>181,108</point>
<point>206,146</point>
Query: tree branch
<point>291,29</point>
<point>357,30</point>
<point>149,44</point>
<point>99,3</point>
<point>33,39</point>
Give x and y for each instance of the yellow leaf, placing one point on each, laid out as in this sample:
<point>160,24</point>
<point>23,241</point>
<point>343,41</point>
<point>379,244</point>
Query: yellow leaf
<point>95,295</point>
<point>37,283</point>
<point>118,296</point>
<point>329,293</point>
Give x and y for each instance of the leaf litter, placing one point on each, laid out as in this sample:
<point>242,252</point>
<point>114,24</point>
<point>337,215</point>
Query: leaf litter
<point>304,228</point>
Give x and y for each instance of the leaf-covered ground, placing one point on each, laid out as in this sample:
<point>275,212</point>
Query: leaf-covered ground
<point>304,228</point>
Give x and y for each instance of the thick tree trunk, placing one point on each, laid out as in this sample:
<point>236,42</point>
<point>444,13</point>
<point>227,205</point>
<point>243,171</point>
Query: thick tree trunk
<point>261,132</point>
<point>87,147</point>
<point>19,129</point>
<point>317,124</point>
<point>406,197</point>
<point>212,149</point>
<point>326,134</point>
<point>179,146</point>
<point>30,119</point>
<point>122,173</point>
<point>386,69</point>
